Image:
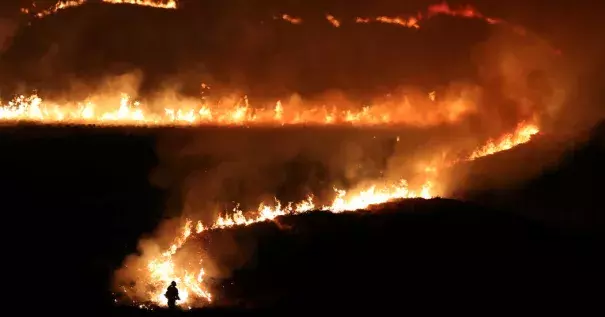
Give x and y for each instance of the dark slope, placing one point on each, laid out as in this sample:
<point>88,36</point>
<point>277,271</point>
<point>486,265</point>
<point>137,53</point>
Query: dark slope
<point>75,205</point>
<point>556,180</point>
<point>413,251</point>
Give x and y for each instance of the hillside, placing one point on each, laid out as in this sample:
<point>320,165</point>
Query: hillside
<point>554,179</point>
<point>81,202</point>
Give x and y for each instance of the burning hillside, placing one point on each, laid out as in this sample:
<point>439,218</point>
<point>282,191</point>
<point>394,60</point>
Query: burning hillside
<point>157,270</point>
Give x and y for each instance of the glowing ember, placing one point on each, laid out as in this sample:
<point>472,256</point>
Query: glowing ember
<point>406,22</point>
<point>333,20</point>
<point>201,112</point>
<point>291,19</point>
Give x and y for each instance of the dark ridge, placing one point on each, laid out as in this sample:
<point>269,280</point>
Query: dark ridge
<point>76,204</point>
<point>404,255</point>
<point>563,186</point>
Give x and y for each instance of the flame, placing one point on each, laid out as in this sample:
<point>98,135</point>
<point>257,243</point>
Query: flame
<point>522,134</point>
<point>168,4</point>
<point>57,7</point>
<point>132,112</point>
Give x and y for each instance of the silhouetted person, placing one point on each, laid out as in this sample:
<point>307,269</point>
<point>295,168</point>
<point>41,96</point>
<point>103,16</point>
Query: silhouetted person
<point>172,293</point>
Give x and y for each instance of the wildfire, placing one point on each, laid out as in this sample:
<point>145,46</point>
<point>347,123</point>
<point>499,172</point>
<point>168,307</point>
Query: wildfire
<point>162,270</point>
<point>522,134</point>
<point>239,112</point>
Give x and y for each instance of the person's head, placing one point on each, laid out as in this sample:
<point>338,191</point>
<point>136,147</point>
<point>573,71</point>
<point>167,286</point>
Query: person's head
<point>173,283</point>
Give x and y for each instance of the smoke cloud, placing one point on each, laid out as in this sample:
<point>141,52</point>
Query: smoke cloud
<point>7,31</point>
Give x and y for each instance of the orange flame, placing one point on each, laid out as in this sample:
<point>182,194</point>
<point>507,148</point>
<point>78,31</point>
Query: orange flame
<point>466,11</point>
<point>443,8</point>
<point>128,112</point>
<point>522,134</point>
<point>410,22</point>
<point>168,4</point>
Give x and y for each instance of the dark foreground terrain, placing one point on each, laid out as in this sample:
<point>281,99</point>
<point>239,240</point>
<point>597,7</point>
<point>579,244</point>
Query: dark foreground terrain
<point>74,206</point>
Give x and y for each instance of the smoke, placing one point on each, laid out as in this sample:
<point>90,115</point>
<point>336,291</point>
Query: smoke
<point>149,248</point>
<point>7,31</point>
